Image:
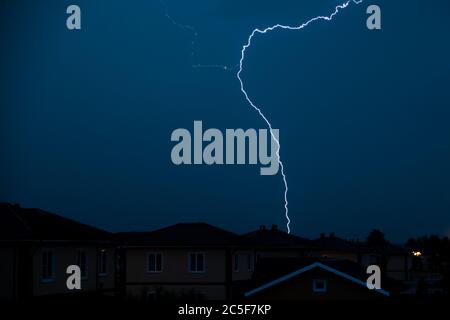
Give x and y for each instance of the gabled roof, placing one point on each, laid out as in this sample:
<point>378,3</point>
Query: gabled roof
<point>342,268</point>
<point>273,238</point>
<point>182,235</point>
<point>28,224</point>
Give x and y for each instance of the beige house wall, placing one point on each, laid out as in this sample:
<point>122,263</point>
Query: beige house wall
<point>65,256</point>
<point>245,269</point>
<point>175,266</point>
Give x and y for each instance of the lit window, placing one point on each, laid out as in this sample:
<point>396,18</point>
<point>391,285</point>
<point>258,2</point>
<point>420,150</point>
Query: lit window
<point>48,266</point>
<point>319,285</point>
<point>154,263</point>
<point>82,263</point>
<point>196,262</point>
<point>102,263</point>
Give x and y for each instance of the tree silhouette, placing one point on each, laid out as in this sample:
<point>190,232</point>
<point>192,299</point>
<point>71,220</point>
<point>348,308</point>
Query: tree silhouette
<point>376,238</point>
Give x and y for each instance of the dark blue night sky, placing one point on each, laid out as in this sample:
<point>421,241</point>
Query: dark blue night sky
<point>86,116</point>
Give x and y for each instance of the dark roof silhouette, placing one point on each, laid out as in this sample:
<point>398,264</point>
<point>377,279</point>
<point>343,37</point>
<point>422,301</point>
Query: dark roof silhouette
<point>333,243</point>
<point>28,224</point>
<point>182,235</point>
<point>382,249</point>
<point>273,238</point>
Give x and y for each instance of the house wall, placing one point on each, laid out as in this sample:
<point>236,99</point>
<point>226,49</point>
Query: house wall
<point>175,275</point>
<point>398,266</point>
<point>7,273</point>
<point>175,267</point>
<point>245,273</point>
<point>65,256</point>
<point>245,269</point>
<point>278,253</point>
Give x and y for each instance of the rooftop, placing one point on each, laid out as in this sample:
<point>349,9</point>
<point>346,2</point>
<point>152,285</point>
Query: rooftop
<point>28,224</point>
<point>273,237</point>
<point>182,235</point>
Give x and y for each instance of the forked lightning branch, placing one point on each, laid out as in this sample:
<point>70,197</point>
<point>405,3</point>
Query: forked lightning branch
<point>273,132</point>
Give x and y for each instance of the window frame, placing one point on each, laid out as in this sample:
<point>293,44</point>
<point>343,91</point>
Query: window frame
<point>319,290</point>
<point>155,253</point>
<point>196,257</point>
<point>78,263</point>
<point>53,265</point>
<point>236,264</point>
<point>100,263</point>
<point>250,262</point>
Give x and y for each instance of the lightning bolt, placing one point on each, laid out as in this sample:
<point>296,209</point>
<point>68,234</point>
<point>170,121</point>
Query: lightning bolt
<point>330,17</point>
<point>246,46</point>
<point>194,33</point>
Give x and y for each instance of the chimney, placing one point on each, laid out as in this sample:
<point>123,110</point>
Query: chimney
<point>332,235</point>
<point>262,227</point>
<point>274,227</point>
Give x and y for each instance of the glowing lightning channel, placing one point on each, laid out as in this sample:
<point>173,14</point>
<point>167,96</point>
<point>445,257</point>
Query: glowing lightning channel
<point>241,62</point>
<point>191,29</point>
<point>194,33</point>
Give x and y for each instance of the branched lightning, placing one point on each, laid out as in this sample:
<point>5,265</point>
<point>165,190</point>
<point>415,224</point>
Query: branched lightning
<point>241,62</point>
<point>193,31</point>
<point>330,17</point>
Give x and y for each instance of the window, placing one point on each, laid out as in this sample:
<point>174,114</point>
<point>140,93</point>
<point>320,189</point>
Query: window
<point>82,263</point>
<point>154,262</point>
<point>196,262</point>
<point>250,262</point>
<point>102,263</point>
<point>48,266</point>
<point>319,285</point>
<point>236,263</point>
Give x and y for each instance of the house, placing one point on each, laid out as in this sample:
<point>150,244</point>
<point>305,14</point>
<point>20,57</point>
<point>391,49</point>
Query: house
<point>430,271</point>
<point>266,243</point>
<point>182,261</point>
<point>393,260</point>
<point>308,279</point>
<point>36,247</point>
<point>198,260</point>
<point>334,247</point>
<point>190,260</point>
